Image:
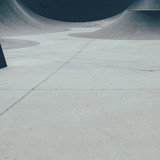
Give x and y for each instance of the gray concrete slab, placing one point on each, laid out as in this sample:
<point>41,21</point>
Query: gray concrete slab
<point>99,65</point>
<point>70,98</point>
<point>84,99</point>
<point>82,76</point>
<point>83,125</point>
<point>29,66</point>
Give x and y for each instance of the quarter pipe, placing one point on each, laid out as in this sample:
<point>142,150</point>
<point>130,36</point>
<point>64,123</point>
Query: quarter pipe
<point>141,21</point>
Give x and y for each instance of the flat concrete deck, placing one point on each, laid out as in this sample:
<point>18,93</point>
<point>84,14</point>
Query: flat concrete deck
<point>80,99</point>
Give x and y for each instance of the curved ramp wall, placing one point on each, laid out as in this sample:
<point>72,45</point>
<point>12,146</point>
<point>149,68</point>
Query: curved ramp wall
<point>145,5</point>
<point>136,23</point>
<point>16,19</point>
<point>77,10</point>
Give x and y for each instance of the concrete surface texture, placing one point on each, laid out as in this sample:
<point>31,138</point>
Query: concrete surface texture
<point>76,98</point>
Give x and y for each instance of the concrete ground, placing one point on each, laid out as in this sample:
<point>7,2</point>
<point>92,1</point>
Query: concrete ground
<point>69,98</point>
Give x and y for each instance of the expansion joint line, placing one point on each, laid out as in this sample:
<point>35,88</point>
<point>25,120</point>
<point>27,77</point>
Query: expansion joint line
<point>51,75</point>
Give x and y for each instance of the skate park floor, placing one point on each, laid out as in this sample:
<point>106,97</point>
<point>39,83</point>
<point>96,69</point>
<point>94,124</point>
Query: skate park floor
<point>72,98</point>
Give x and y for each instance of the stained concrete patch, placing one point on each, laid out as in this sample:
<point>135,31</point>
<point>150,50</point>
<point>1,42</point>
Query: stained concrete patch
<point>14,43</point>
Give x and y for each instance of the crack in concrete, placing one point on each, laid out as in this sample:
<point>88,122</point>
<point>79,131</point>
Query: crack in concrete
<point>89,89</point>
<point>135,69</point>
<point>126,68</point>
<point>14,89</point>
<point>15,103</point>
<point>100,89</point>
<point>62,66</point>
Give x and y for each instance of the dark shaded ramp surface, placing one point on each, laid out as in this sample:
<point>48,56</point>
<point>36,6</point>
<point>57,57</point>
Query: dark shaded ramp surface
<point>146,5</point>
<point>77,10</point>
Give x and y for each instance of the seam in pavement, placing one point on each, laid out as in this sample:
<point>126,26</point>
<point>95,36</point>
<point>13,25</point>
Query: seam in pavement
<point>14,89</point>
<point>119,67</point>
<point>89,89</point>
<point>99,89</point>
<point>57,70</point>
<point>134,69</point>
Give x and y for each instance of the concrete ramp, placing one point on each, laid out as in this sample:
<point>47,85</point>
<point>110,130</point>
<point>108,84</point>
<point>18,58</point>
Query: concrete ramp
<point>145,5</point>
<point>20,17</point>
<point>77,10</point>
<point>138,23</point>
<point>16,19</point>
